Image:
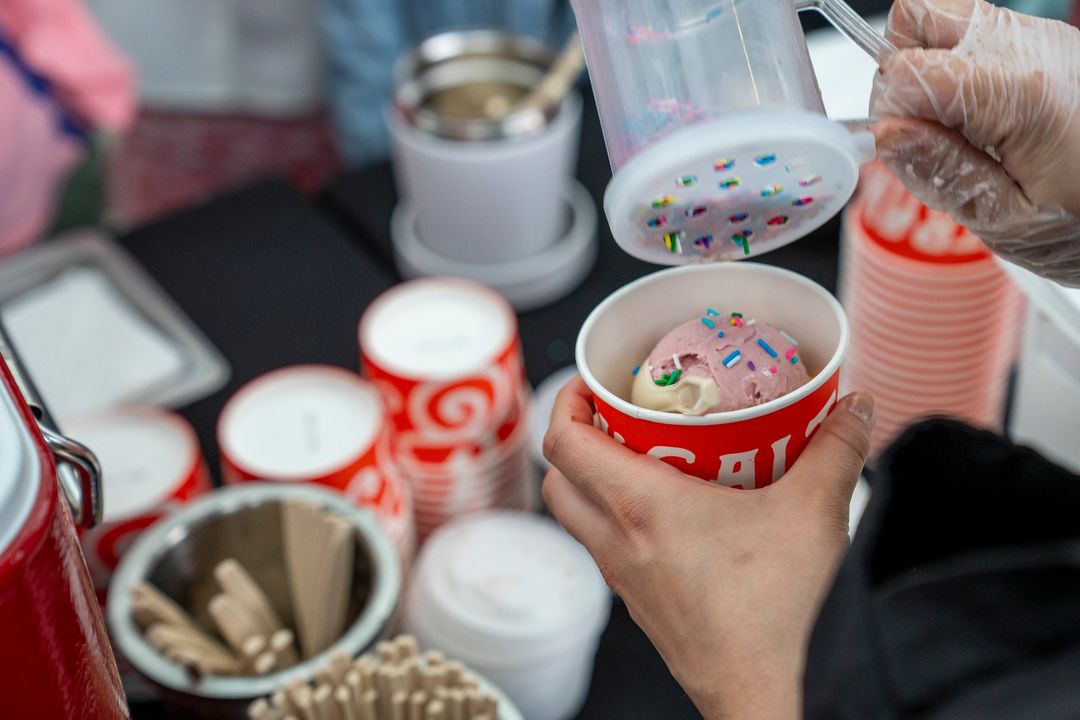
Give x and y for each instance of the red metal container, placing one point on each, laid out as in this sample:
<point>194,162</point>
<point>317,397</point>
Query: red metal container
<point>55,658</point>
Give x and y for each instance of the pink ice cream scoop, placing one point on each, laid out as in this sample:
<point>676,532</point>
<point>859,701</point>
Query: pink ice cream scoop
<point>717,363</point>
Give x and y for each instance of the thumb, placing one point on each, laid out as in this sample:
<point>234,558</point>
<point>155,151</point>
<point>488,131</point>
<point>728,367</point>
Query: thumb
<point>946,173</point>
<point>834,457</point>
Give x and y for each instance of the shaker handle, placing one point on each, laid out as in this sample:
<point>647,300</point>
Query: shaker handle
<point>80,476</point>
<point>851,24</point>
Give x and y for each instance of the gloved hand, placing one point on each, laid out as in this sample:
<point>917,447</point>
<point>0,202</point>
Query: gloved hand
<point>980,114</point>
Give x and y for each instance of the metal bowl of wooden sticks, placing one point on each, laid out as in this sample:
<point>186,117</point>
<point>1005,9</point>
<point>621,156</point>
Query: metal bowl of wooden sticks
<point>250,588</point>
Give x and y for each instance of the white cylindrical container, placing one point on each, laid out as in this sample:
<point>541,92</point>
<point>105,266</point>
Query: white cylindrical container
<point>515,597</point>
<point>482,190</point>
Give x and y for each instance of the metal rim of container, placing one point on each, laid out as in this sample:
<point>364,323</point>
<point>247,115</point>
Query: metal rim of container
<point>151,547</point>
<point>445,60</point>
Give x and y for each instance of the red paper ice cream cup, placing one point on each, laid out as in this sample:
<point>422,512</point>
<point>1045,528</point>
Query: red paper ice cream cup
<point>320,425</point>
<point>151,465</point>
<point>749,448</point>
<point>446,358</point>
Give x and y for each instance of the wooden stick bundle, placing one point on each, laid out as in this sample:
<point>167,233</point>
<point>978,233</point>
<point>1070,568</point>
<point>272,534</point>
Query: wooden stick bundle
<point>394,683</point>
<point>255,640</point>
<point>319,557</point>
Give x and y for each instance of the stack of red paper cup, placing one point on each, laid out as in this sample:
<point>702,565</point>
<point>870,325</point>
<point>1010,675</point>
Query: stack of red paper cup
<point>322,425</point>
<point>935,320</point>
<point>445,354</point>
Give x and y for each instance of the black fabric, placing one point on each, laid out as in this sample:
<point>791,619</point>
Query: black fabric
<point>960,597</point>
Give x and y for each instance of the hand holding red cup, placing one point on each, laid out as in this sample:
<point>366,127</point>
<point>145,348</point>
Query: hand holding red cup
<point>748,448</point>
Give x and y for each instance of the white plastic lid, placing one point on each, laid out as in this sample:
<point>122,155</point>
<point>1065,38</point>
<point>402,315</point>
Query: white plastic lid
<point>300,422</point>
<point>734,187</point>
<point>500,584</point>
<point>20,474</point>
<point>437,328</point>
<point>540,410</point>
<point>145,454</point>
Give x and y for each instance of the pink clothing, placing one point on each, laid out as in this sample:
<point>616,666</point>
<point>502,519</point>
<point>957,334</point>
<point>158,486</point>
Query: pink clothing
<point>57,71</point>
<point>59,40</point>
<point>35,155</point>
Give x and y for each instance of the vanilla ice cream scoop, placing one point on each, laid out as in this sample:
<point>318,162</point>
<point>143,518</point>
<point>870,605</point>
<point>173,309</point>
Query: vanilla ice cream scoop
<point>716,363</point>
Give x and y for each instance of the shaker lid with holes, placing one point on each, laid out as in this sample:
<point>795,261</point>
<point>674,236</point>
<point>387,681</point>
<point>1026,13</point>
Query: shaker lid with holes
<point>734,187</point>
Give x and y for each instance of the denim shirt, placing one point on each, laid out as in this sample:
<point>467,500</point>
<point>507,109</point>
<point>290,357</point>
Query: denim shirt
<point>363,38</point>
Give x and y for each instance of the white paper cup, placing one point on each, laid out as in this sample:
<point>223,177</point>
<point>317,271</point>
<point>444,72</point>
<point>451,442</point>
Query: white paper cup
<point>151,465</point>
<point>487,201</point>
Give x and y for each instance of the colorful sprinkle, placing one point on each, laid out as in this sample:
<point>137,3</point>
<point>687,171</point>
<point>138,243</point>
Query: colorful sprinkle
<point>742,239</point>
<point>739,217</point>
<point>777,221</point>
<point>765,159</point>
<point>635,371</point>
<point>732,360</point>
<point>725,164</point>
<point>773,370</point>
<point>657,222</point>
<point>751,322</point>
<point>720,334</point>
<point>731,182</point>
<point>738,315</point>
<point>765,346</point>
<point>705,242</point>
<point>802,201</point>
<point>810,180</point>
<point>711,313</point>
<point>750,364</point>
<point>736,322</point>
<point>697,211</point>
<point>673,243</point>
<point>686,181</point>
<point>790,353</point>
<point>795,360</point>
<point>789,338</point>
<point>675,361</point>
<point>771,190</point>
<point>669,378</point>
<point>711,325</point>
<point>664,201</point>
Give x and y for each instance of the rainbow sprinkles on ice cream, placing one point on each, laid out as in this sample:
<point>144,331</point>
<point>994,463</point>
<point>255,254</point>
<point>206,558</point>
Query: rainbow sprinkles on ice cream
<point>718,363</point>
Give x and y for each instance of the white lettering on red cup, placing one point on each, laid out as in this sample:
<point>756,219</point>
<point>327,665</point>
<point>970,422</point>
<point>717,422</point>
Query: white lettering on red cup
<point>151,464</point>
<point>748,448</point>
<point>322,425</point>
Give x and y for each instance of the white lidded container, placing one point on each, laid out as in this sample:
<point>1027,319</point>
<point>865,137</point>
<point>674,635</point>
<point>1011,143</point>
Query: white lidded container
<point>517,599</point>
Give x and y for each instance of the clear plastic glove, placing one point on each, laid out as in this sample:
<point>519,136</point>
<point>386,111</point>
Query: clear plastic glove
<point>980,114</point>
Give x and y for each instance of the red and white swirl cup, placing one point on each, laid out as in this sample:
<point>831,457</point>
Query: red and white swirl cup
<point>320,425</point>
<point>446,357</point>
<point>151,464</point>
<point>748,448</point>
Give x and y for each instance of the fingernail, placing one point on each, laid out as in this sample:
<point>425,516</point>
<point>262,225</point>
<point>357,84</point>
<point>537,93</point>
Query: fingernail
<point>862,407</point>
